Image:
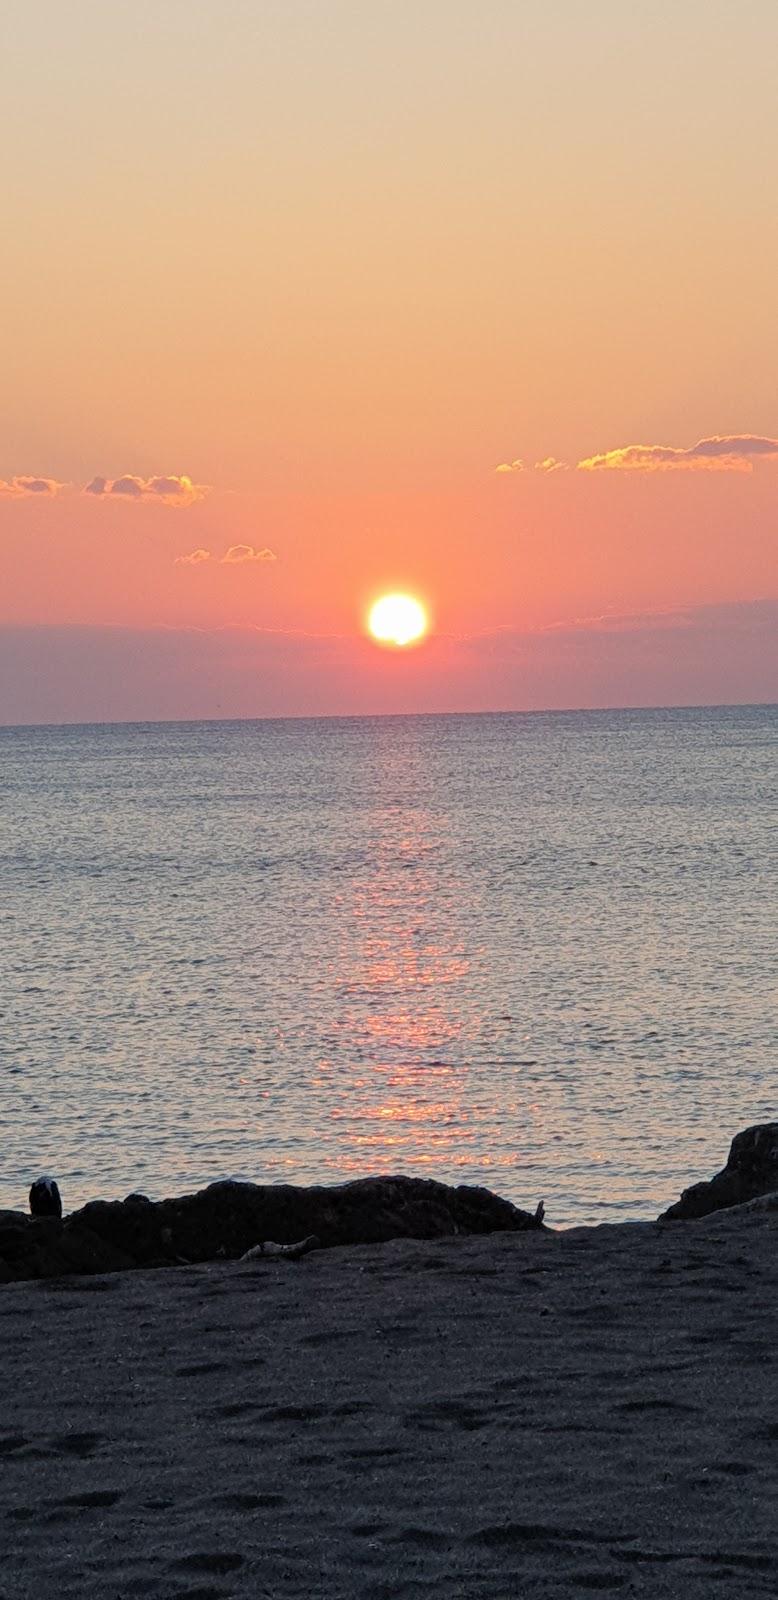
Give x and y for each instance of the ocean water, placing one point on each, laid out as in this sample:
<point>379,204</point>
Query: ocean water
<point>536,952</point>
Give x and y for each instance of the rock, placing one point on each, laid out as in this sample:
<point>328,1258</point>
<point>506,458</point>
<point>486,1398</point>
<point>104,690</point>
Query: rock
<point>227,1219</point>
<point>45,1198</point>
<point>762,1203</point>
<point>47,1247</point>
<point>751,1170</point>
<point>15,1227</point>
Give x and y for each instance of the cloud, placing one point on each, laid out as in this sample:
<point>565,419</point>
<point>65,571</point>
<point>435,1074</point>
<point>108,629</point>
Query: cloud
<point>701,655</point>
<point>18,488</point>
<point>194,559</point>
<point>238,553</point>
<point>698,655</point>
<point>233,557</point>
<point>171,489</point>
<point>756,618</point>
<point>730,452</point>
<point>734,452</point>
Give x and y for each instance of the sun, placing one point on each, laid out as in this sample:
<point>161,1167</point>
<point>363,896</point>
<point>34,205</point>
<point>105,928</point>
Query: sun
<point>397,619</point>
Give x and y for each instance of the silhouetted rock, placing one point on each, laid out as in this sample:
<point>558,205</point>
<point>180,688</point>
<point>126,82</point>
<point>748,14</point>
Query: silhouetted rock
<point>751,1170</point>
<point>45,1198</point>
<point>227,1219</point>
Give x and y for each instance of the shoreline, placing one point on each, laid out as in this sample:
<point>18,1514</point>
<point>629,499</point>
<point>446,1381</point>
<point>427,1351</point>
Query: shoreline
<point>234,1221</point>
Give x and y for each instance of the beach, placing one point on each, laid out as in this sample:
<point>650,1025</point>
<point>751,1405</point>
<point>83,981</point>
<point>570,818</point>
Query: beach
<point>530,1413</point>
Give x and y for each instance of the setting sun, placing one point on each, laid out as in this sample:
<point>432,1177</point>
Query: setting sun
<point>397,619</point>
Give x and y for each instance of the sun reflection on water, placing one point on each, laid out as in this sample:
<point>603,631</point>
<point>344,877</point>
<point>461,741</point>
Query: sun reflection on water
<point>398,974</point>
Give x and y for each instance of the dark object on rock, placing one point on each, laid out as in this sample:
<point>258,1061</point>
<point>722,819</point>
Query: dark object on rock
<point>136,1199</point>
<point>45,1198</point>
<point>751,1170</point>
<point>225,1220</point>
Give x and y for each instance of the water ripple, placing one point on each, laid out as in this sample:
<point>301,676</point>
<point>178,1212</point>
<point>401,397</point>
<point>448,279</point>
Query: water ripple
<point>530,951</point>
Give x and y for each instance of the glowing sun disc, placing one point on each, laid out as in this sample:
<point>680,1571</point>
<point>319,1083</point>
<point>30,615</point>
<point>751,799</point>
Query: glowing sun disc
<point>397,619</point>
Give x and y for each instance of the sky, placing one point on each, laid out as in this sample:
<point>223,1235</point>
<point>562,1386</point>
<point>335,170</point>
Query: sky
<point>307,300</point>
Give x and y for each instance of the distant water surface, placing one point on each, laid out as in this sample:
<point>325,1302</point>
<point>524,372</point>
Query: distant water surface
<point>534,951</point>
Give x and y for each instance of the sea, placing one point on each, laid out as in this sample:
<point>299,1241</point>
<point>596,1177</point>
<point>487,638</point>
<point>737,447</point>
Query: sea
<point>536,952</point>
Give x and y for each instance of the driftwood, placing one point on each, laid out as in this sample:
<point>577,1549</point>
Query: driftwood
<point>290,1252</point>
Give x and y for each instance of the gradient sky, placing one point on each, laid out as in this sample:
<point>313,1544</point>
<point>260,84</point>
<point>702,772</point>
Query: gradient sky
<point>470,299</point>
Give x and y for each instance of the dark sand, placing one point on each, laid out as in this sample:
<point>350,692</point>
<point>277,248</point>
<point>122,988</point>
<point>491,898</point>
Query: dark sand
<point>517,1415</point>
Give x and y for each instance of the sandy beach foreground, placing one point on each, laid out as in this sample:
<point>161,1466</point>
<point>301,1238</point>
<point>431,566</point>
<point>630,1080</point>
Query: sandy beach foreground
<point>519,1414</point>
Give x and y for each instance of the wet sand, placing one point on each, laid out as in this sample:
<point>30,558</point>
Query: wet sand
<point>527,1414</point>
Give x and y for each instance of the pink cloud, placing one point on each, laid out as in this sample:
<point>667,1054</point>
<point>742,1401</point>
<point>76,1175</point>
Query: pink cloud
<point>194,559</point>
<point>239,553</point>
<point>707,654</point>
<point>735,452</point>
<point>20,487</point>
<point>171,489</point>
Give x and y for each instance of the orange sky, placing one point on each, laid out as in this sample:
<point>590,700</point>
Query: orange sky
<point>335,265</point>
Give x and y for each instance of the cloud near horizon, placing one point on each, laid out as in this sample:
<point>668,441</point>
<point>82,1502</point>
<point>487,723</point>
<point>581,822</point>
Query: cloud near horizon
<point>729,452</point>
<point>239,553</point>
<point>170,488</point>
<point>710,654</point>
<point>735,452</point>
<point>20,487</point>
<point>194,559</point>
<point>235,556</point>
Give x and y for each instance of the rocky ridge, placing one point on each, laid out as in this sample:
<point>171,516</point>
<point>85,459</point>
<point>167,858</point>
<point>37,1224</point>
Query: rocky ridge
<point>228,1219</point>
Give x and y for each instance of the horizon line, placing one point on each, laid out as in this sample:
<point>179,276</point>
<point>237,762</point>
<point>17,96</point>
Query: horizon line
<point>389,716</point>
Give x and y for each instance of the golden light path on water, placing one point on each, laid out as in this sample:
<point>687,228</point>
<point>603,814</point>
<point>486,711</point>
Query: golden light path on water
<point>402,970</point>
<point>407,1101</point>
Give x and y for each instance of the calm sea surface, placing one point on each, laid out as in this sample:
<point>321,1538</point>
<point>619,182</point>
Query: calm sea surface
<point>536,952</point>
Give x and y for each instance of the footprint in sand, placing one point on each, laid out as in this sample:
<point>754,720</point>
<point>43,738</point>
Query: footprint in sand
<point>217,1562</point>
<point>248,1502</point>
<point>91,1499</point>
<point>75,1444</point>
<point>199,1369</point>
<point>10,1442</point>
<point>446,1413</point>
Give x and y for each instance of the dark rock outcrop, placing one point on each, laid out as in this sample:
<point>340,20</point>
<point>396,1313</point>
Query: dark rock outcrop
<point>751,1170</point>
<point>227,1219</point>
